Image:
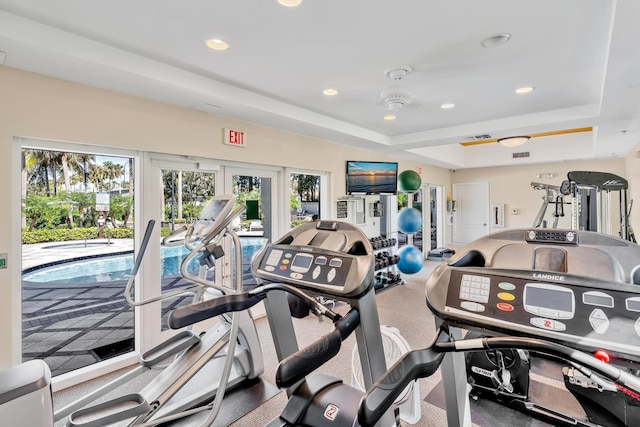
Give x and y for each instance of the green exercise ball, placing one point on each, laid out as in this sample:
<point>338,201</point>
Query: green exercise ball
<point>409,181</point>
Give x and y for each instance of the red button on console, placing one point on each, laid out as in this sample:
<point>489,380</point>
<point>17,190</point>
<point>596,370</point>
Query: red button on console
<point>504,306</point>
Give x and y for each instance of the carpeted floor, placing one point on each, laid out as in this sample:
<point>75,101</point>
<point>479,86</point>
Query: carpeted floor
<point>402,307</point>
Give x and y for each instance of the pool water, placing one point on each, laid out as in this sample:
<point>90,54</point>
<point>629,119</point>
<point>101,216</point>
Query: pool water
<point>118,267</point>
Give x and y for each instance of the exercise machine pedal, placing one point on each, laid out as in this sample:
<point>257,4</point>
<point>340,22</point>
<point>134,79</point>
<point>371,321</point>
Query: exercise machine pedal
<point>113,411</point>
<point>169,348</point>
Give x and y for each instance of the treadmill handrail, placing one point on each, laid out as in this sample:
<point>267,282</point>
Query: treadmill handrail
<point>304,361</point>
<point>193,313</point>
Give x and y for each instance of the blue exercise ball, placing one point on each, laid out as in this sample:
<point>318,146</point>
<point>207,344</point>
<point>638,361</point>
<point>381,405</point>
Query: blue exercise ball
<point>411,260</point>
<point>409,220</point>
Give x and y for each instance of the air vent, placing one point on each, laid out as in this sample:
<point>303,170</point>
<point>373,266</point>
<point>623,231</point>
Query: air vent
<point>480,137</point>
<point>207,107</point>
<point>522,154</point>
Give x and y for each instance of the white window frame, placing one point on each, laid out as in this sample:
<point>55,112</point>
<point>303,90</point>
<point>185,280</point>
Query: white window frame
<point>100,368</point>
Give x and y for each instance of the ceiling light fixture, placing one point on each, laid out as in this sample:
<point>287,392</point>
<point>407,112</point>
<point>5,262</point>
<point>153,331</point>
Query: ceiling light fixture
<point>217,44</point>
<point>396,98</point>
<point>447,106</point>
<point>330,92</point>
<point>513,141</point>
<point>390,117</point>
<point>290,3</point>
<point>525,89</point>
<point>495,40</point>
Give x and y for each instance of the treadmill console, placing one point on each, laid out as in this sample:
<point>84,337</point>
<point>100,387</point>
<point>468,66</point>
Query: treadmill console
<point>576,311</point>
<point>578,288</point>
<point>332,258</point>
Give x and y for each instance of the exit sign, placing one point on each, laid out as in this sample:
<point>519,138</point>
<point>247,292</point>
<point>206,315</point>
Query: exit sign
<point>234,137</point>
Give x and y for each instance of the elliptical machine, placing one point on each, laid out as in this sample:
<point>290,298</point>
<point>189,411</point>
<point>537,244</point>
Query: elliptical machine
<point>204,366</point>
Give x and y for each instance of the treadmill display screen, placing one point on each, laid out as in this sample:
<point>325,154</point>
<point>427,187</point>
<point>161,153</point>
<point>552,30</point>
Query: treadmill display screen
<point>633,304</point>
<point>551,300</point>
<point>301,262</point>
<point>597,298</point>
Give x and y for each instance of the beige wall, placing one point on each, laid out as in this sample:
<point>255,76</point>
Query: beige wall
<point>511,185</point>
<point>40,107</point>
<point>632,166</point>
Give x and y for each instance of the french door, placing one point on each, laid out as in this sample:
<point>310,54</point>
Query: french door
<point>259,190</point>
<point>78,232</point>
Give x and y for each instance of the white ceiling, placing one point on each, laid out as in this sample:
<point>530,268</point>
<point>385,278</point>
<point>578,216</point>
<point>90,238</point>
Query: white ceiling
<point>582,57</point>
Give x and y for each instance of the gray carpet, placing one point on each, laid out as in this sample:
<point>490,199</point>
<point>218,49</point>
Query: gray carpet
<point>401,306</point>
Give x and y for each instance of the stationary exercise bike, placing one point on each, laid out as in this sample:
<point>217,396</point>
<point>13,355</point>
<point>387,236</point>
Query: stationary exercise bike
<point>328,259</point>
<point>560,293</point>
<point>203,366</point>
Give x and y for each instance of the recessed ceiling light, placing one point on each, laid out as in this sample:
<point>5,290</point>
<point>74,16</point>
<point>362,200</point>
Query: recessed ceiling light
<point>495,40</point>
<point>217,44</point>
<point>525,89</point>
<point>330,92</point>
<point>390,117</point>
<point>290,3</point>
<point>447,106</point>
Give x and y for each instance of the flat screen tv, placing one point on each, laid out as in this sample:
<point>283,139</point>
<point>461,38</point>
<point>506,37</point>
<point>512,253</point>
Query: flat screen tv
<point>372,177</point>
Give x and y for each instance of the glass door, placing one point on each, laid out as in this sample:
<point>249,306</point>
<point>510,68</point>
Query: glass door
<point>77,251</point>
<point>436,215</point>
<point>257,189</point>
<point>185,195</point>
<point>176,193</point>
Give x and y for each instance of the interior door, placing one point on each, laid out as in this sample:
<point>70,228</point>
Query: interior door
<point>471,216</point>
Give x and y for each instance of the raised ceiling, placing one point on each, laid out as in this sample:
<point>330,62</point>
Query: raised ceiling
<point>581,56</point>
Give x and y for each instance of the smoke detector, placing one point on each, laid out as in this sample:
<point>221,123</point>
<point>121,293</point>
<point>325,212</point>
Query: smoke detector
<point>398,73</point>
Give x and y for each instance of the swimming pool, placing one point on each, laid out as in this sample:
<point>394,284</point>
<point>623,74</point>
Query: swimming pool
<point>117,267</point>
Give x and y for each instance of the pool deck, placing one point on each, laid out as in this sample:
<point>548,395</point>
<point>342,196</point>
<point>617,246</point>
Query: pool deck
<point>65,326</point>
<point>52,252</point>
<point>73,325</point>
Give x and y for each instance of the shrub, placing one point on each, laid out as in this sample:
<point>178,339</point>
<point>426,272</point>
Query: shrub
<point>65,234</point>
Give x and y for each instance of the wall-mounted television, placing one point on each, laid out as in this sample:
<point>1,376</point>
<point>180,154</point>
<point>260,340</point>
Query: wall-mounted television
<point>372,177</point>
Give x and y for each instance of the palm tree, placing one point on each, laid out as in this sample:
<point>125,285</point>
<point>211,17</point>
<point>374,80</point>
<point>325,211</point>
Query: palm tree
<point>97,175</point>
<point>112,171</point>
<point>81,163</point>
<point>68,160</point>
<point>36,169</point>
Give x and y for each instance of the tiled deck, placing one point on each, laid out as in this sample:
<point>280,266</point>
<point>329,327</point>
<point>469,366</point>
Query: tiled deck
<point>74,325</point>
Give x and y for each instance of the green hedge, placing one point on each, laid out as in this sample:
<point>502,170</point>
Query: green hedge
<point>65,234</point>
